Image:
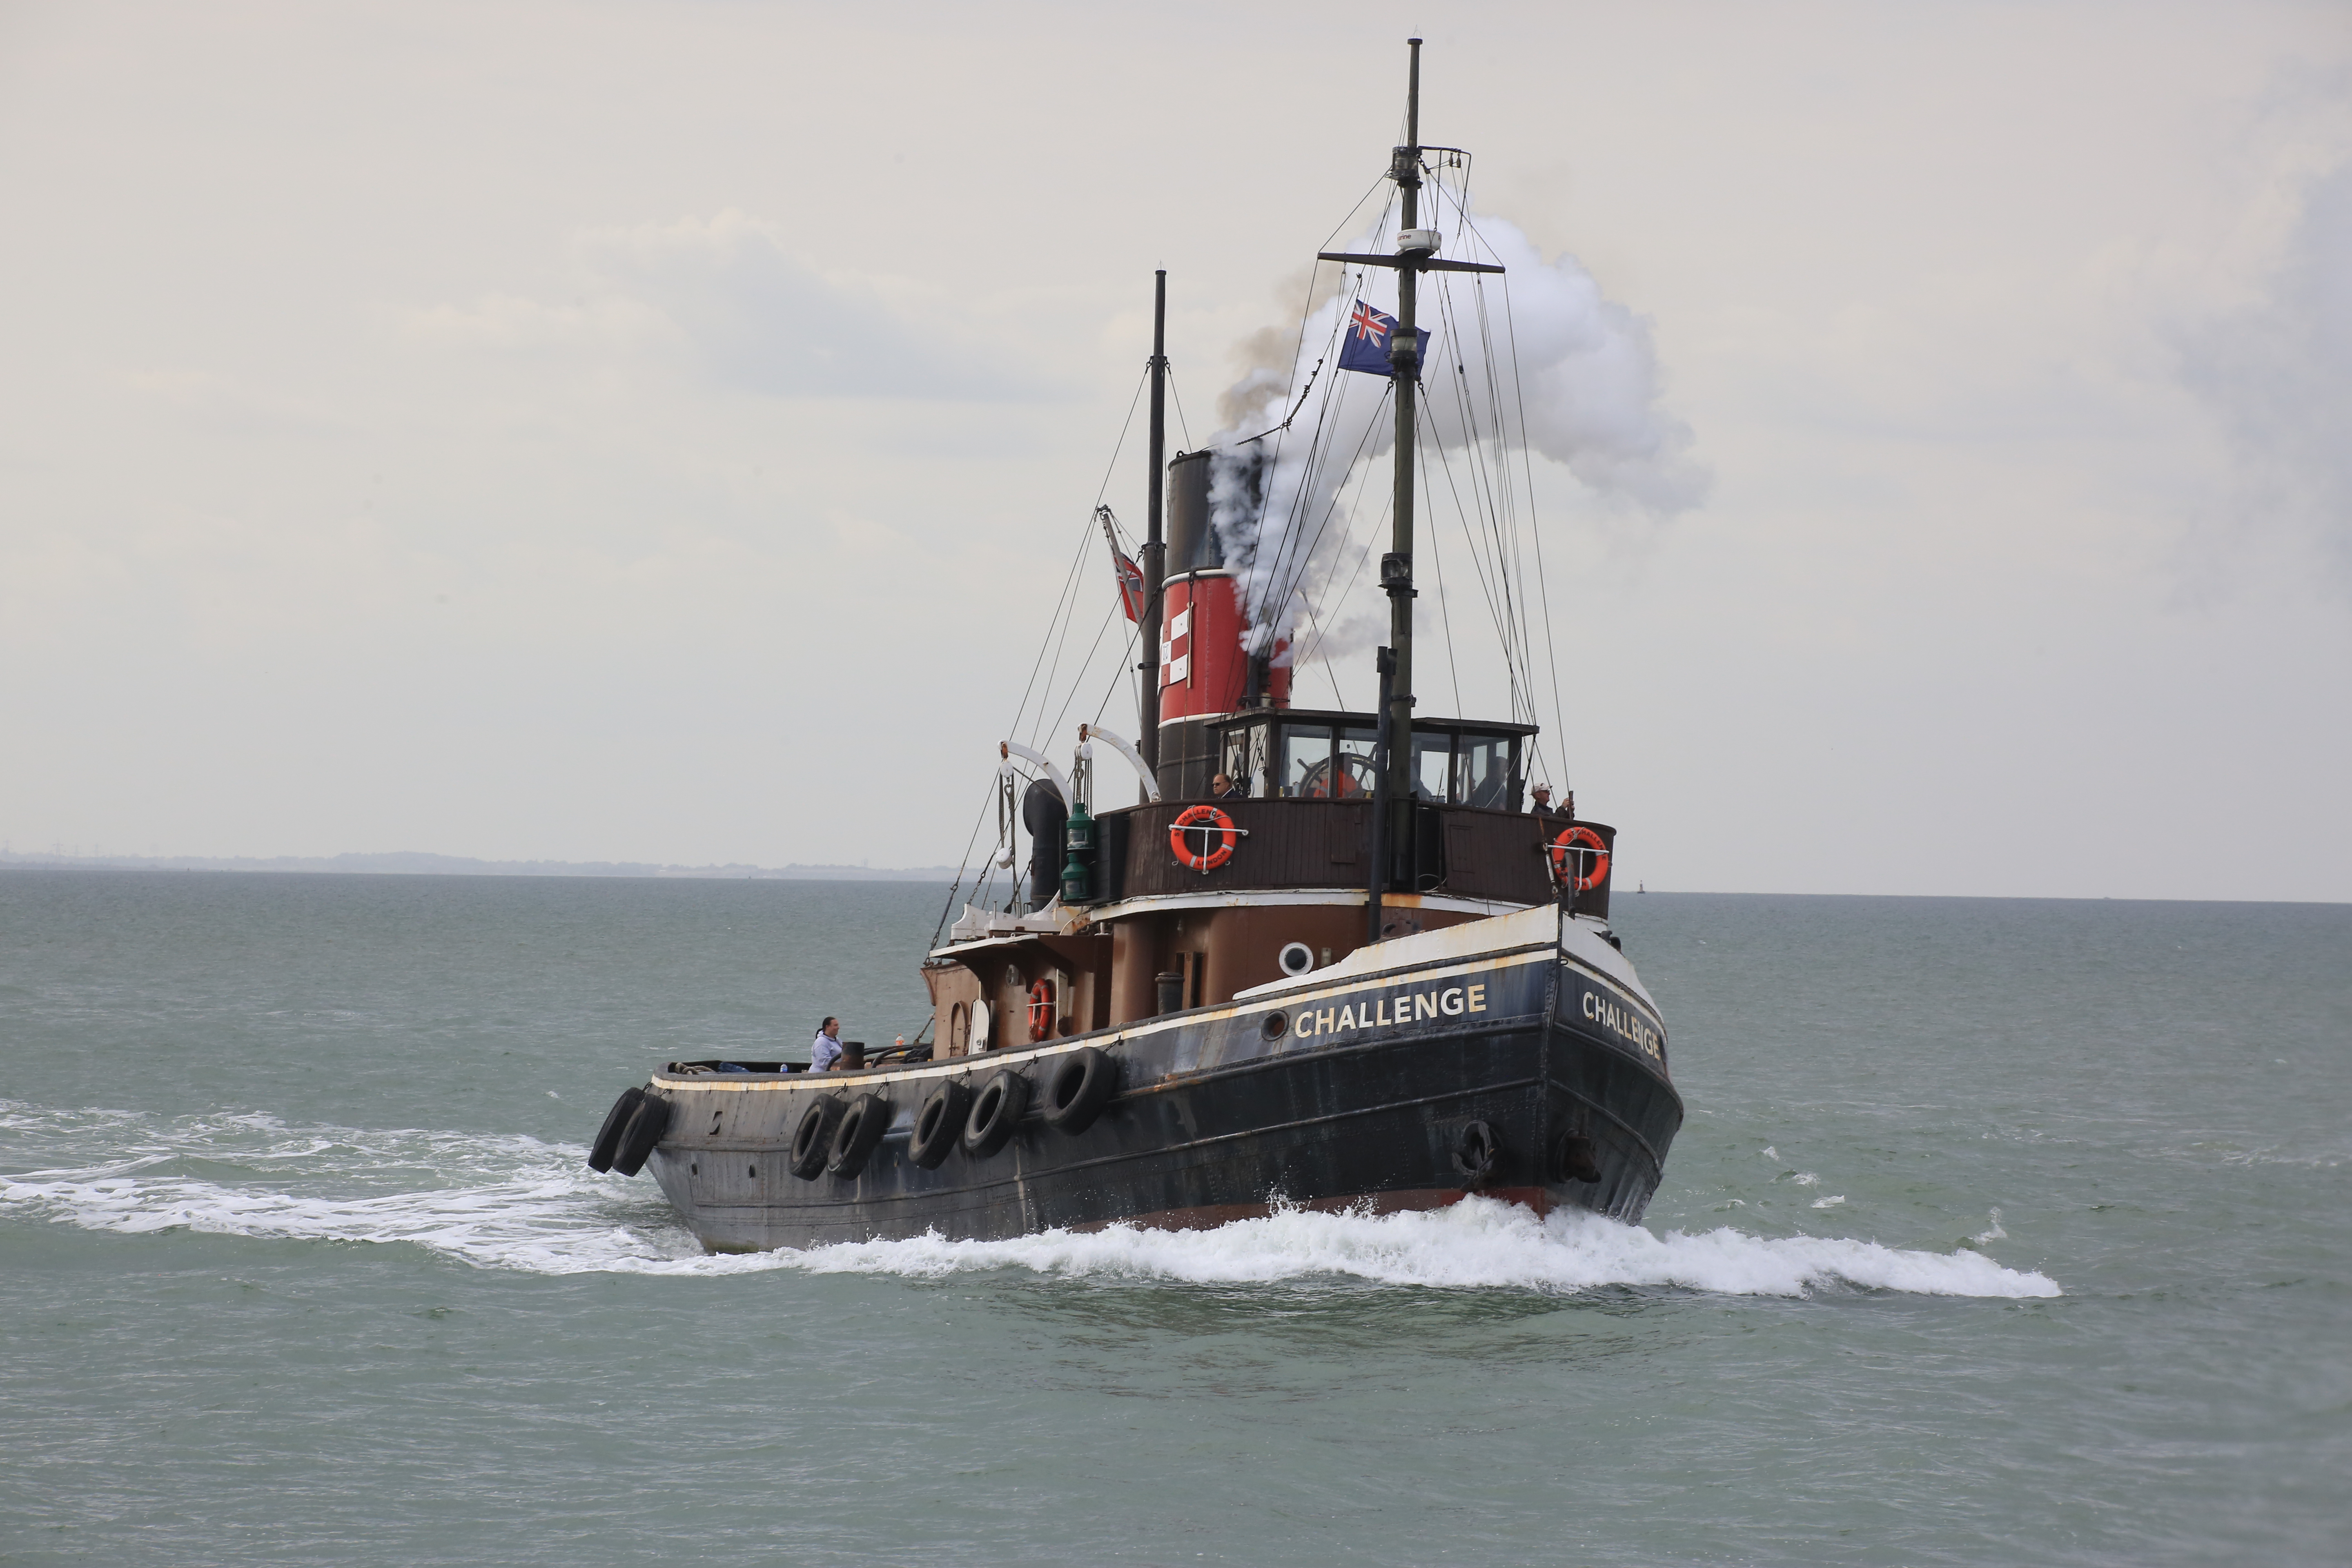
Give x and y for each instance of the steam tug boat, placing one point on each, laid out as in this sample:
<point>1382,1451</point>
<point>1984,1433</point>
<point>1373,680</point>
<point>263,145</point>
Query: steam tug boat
<point>1367,976</point>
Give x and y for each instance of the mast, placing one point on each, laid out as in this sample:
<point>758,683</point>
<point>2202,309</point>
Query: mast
<point>1396,566</point>
<point>1155,548</point>
<point>1416,253</point>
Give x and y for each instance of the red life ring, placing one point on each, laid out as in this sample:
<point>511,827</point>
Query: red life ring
<point>1579,841</point>
<point>1041,1010</point>
<point>1216,834</point>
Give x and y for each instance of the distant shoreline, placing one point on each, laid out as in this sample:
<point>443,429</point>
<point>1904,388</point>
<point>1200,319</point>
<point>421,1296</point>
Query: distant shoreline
<point>412,863</point>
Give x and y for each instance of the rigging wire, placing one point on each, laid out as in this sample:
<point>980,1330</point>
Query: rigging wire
<point>1321,631</point>
<point>1279,581</point>
<point>1287,558</point>
<point>1178,399</point>
<point>1519,400</point>
<point>1388,390</point>
<point>1079,671</point>
<point>1445,615</point>
<point>1070,580</point>
<point>987,799</point>
<point>1496,600</point>
<point>1543,577</point>
<point>1493,608</point>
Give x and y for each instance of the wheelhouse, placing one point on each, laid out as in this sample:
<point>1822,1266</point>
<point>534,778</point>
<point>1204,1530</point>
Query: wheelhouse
<point>1299,754</point>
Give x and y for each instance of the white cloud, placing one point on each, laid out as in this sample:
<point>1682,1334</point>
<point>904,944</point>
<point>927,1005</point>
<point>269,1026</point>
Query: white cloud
<point>2278,377</point>
<point>729,295</point>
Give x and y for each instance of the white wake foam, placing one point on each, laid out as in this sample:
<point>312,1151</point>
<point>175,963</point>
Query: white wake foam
<point>1477,1244</point>
<point>517,1203</point>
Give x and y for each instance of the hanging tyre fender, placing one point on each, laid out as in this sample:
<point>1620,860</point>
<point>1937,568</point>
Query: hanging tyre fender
<point>616,1122</point>
<point>647,1125</point>
<point>1082,1084</point>
<point>994,1113</point>
<point>854,1136</point>
<point>940,1123</point>
<point>1475,1151</point>
<point>813,1136</point>
<point>1575,1157</point>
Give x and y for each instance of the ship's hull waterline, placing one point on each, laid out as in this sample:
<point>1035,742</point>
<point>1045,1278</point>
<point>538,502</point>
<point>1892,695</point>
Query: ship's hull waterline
<point>1439,1065</point>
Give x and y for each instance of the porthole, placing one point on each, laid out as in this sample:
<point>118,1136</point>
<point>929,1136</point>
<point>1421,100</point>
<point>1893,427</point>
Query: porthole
<point>1295,958</point>
<point>1276,1025</point>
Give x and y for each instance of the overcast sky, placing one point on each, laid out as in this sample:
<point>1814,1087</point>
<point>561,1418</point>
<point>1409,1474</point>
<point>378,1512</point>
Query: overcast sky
<point>658,431</point>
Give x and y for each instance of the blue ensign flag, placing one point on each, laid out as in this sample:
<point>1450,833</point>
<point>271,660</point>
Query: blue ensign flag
<point>1366,346</point>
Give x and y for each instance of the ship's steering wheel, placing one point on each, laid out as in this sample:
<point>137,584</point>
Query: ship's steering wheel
<point>1353,778</point>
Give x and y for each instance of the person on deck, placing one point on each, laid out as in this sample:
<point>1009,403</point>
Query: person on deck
<point>1223,788</point>
<point>825,1049</point>
<point>1543,806</point>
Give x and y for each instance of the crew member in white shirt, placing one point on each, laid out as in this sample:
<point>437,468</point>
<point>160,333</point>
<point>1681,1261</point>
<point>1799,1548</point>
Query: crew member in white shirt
<point>827,1048</point>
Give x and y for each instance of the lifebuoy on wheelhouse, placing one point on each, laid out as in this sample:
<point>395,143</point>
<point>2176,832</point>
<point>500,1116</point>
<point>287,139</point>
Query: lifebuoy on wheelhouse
<point>1591,855</point>
<point>1203,837</point>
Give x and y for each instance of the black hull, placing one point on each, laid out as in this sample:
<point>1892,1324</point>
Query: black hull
<point>1224,1114</point>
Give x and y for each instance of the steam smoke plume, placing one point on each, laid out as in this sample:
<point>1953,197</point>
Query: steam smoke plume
<point>1588,378</point>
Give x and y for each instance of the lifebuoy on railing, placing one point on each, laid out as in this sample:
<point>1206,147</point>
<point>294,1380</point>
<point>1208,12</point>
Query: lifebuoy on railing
<point>1591,858</point>
<point>1203,837</point>
<point>1041,1010</point>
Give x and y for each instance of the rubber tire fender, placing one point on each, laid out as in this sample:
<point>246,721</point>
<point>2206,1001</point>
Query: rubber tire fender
<point>647,1125</point>
<point>1477,1151</point>
<point>994,1111</point>
<point>856,1133</point>
<point>940,1123</point>
<point>1082,1084</point>
<point>1575,1157</point>
<point>812,1137</point>
<point>616,1122</point>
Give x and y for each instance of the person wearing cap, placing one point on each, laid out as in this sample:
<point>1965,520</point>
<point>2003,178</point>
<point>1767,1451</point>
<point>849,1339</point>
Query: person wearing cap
<point>1543,806</point>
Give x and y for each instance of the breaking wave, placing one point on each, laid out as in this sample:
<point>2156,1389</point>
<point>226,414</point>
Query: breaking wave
<point>516,1203</point>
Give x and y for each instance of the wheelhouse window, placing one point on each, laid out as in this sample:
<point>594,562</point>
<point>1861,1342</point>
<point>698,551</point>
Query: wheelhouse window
<point>1353,769</point>
<point>1487,772</point>
<point>1453,763</point>
<point>1244,758</point>
<point>1306,761</point>
<point>1432,765</point>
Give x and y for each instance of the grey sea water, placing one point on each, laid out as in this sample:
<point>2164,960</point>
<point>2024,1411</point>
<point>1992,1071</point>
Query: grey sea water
<point>2000,1233</point>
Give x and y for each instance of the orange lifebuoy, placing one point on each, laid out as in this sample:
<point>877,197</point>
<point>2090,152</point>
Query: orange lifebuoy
<point>1582,843</point>
<point>1041,1010</point>
<point>1215,831</point>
